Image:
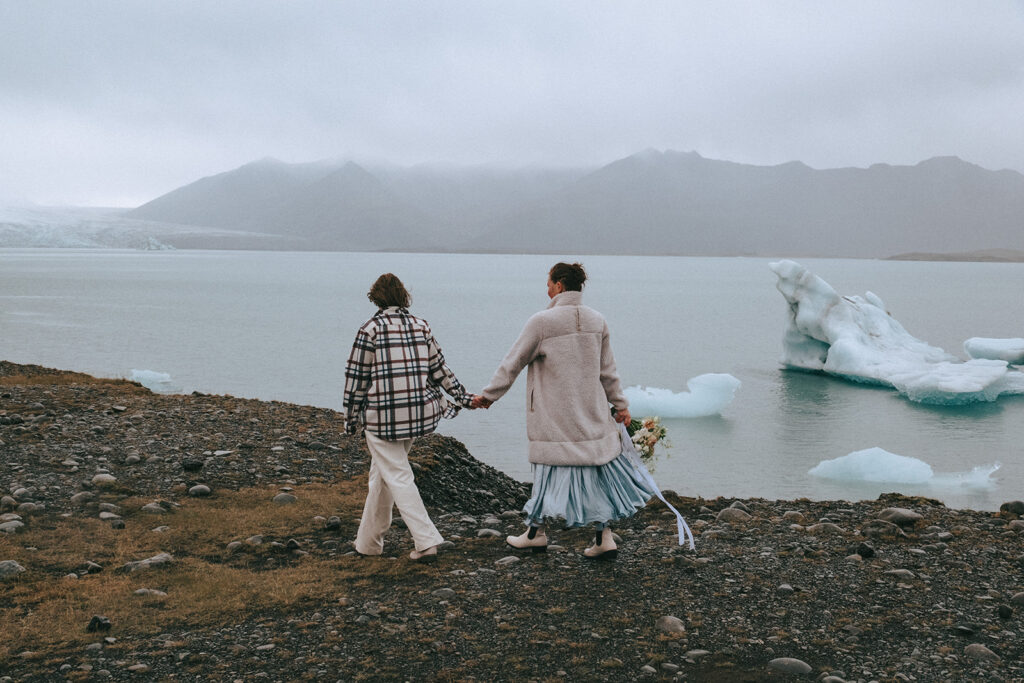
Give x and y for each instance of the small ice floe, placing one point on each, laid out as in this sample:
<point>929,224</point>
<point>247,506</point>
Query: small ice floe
<point>876,465</point>
<point>157,382</point>
<point>1010,350</point>
<point>708,395</point>
<point>855,338</point>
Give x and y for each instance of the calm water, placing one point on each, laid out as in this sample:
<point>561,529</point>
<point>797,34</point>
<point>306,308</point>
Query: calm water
<point>279,326</point>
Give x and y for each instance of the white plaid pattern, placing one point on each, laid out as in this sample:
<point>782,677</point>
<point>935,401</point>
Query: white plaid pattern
<point>394,376</point>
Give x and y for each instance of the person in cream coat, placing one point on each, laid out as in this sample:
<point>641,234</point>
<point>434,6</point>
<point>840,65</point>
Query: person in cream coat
<point>579,472</point>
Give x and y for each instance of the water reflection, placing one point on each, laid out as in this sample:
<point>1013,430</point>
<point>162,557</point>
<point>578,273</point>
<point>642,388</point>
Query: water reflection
<point>819,417</point>
<point>803,393</point>
<point>971,411</point>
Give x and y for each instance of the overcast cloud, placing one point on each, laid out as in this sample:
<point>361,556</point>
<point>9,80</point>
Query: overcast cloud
<point>114,103</point>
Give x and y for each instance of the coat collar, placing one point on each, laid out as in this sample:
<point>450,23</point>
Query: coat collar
<point>392,310</point>
<point>569,298</point>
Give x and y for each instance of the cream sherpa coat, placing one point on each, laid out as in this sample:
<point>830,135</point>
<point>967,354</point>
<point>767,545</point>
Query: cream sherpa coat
<point>569,385</point>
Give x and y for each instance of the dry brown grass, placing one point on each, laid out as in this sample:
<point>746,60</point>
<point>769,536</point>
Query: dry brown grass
<point>72,378</point>
<point>41,611</point>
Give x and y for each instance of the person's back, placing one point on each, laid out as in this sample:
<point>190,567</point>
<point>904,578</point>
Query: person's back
<point>580,473</point>
<point>392,395</point>
<point>569,421</point>
<point>402,396</point>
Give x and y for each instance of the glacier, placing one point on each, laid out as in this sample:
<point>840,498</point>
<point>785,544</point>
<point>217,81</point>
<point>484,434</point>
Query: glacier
<point>75,228</point>
<point>708,395</point>
<point>855,338</point>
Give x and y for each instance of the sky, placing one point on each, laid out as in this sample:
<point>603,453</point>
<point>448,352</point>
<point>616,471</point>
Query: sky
<point>106,103</point>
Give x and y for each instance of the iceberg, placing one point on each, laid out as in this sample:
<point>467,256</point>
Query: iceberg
<point>708,395</point>
<point>1010,350</point>
<point>855,338</point>
<point>876,465</point>
<point>157,382</point>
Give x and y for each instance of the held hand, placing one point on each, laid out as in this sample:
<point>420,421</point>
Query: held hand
<point>622,416</point>
<point>481,402</point>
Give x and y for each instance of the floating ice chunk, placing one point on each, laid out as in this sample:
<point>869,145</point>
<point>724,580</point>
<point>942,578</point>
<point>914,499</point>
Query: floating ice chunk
<point>952,383</point>
<point>876,465</point>
<point>855,338</point>
<point>708,395</point>
<point>159,382</point>
<point>1010,350</point>
<point>979,477</point>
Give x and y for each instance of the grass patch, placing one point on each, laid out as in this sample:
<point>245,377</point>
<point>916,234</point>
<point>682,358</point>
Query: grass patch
<point>207,585</point>
<point>70,379</point>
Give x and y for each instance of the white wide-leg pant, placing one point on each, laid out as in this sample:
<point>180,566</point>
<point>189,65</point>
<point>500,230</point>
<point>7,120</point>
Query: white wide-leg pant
<point>391,483</point>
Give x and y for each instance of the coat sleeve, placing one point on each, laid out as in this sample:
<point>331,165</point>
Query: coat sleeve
<point>441,375</point>
<point>609,375</point>
<point>358,375</point>
<point>523,351</point>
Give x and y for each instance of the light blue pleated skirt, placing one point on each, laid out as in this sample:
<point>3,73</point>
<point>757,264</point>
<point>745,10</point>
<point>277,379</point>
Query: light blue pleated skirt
<point>581,495</point>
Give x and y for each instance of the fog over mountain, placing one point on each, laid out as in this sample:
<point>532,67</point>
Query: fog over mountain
<point>648,203</point>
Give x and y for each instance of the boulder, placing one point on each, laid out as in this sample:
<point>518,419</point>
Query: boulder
<point>9,569</point>
<point>733,516</point>
<point>900,516</point>
<point>104,480</point>
<point>163,559</point>
<point>1013,507</point>
<point>789,665</point>
<point>670,624</point>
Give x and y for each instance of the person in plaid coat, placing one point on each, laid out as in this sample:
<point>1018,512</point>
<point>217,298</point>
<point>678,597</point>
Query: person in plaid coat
<point>393,382</point>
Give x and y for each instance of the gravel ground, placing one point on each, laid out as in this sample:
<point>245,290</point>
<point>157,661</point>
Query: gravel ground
<point>895,589</point>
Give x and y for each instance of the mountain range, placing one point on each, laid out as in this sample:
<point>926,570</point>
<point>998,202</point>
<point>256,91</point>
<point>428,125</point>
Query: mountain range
<point>649,203</point>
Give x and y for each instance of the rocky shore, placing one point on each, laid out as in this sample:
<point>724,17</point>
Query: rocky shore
<point>200,537</point>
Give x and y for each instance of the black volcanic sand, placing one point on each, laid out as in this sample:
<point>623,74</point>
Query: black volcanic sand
<point>932,594</point>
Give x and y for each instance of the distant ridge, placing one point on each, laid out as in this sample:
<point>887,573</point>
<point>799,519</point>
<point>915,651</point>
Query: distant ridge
<point>649,203</point>
<point>982,255</point>
<point>235,199</point>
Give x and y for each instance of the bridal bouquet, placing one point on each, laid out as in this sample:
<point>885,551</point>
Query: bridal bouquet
<point>645,434</point>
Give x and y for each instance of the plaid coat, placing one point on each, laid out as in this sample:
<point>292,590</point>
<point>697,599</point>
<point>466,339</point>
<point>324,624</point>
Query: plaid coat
<point>394,376</point>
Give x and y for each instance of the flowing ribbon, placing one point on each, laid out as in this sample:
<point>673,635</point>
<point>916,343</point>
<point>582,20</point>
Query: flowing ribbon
<point>629,448</point>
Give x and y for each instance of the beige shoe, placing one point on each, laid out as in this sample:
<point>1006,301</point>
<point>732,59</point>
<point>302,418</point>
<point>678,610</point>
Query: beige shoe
<point>428,555</point>
<point>604,547</point>
<point>537,544</point>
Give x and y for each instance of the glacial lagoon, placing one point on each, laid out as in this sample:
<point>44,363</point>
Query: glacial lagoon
<point>275,325</point>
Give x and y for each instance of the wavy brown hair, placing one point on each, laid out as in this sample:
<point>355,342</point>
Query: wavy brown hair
<point>571,275</point>
<point>387,291</point>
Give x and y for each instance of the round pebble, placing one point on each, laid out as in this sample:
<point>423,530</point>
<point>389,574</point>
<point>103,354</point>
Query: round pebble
<point>9,569</point>
<point>104,480</point>
<point>732,516</point>
<point>979,651</point>
<point>790,665</point>
<point>670,624</point>
<point>488,533</point>
<point>900,516</point>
